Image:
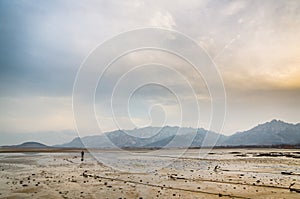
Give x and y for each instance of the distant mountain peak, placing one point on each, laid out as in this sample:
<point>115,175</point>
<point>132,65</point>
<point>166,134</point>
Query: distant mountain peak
<point>30,144</point>
<point>274,121</point>
<point>274,132</point>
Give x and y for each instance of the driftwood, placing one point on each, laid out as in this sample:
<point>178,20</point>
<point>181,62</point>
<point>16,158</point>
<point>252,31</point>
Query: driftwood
<point>294,189</point>
<point>289,173</point>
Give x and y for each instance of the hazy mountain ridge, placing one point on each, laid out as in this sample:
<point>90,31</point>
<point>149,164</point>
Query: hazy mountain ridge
<point>28,145</point>
<point>47,137</point>
<point>138,138</point>
<point>275,132</point>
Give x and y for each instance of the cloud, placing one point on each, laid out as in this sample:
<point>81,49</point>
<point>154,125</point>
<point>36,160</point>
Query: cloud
<point>163,20</point>
<point>35,114</point>
<point>255,45</point>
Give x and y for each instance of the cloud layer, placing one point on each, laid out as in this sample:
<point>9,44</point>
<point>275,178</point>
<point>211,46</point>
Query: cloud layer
<point>255,44</point>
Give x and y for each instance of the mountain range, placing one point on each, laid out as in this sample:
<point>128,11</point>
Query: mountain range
<point>275,132</point>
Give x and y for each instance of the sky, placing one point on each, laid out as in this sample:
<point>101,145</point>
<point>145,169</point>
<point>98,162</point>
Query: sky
<point>255,46</point>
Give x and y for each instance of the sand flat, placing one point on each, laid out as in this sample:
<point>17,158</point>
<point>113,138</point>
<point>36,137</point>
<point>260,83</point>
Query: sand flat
<point>226,173</point>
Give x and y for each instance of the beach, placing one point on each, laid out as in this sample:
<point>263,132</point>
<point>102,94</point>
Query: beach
<point>226,173</point>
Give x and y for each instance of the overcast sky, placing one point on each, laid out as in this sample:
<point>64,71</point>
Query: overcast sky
<point>254,44</point>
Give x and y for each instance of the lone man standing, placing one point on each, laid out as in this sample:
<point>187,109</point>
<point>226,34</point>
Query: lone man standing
<point>82,155</point>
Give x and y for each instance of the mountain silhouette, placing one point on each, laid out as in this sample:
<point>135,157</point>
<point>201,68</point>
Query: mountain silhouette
<point>275,132</point>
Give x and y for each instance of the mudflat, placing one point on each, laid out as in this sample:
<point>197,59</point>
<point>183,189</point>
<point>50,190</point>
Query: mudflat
<point>170,173</point>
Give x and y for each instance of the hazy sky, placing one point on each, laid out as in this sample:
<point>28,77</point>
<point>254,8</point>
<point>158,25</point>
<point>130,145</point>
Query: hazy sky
<point>255,45</point>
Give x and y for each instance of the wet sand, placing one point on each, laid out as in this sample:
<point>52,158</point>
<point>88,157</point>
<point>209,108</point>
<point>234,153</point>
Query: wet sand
<point>226,173</point>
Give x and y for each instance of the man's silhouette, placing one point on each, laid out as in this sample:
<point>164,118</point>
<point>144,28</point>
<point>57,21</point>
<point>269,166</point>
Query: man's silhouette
<point>82,155</point>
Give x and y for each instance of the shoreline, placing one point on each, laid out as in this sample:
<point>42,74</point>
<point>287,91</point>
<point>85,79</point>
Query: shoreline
<point>69,149</point>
